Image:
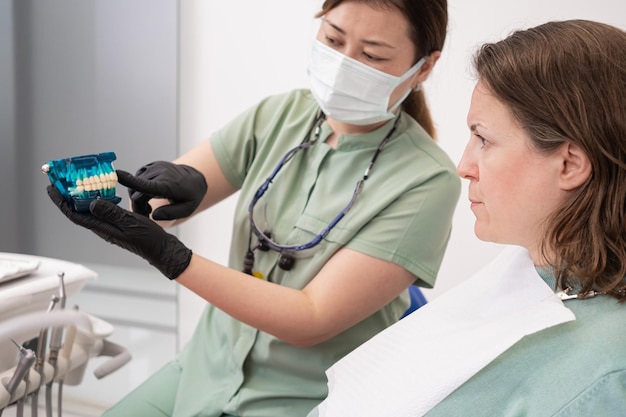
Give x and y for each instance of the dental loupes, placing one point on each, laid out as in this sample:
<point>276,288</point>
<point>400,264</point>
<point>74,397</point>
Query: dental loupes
<point>83,179</point>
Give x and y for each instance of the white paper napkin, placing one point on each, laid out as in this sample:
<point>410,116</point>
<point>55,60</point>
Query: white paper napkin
<point>405,370</point>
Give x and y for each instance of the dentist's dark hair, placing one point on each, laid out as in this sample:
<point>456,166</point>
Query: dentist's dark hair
<point>564,82</point>
<point>428,22</point>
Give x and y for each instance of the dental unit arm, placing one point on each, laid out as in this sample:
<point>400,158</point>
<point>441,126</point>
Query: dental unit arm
<point>88,341</point>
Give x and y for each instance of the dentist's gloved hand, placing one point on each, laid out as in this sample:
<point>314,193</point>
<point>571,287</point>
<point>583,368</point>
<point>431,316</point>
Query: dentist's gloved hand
<point>133,232</point>
<point>183,185</point>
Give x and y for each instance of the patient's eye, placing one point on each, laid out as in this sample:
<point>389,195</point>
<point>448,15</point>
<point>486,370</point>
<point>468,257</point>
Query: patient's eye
<point>483,142</point>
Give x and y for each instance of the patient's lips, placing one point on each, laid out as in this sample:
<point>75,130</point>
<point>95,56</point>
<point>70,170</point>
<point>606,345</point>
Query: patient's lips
<point>474,202</point>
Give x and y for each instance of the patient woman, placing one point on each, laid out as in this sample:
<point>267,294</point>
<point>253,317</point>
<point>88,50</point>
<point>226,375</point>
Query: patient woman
<point>541,330</point>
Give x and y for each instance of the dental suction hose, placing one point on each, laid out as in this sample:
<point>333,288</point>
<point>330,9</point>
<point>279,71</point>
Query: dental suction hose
<point>32,322</point>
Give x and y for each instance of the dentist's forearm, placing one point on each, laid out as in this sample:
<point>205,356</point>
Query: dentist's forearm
<point>284,312</point>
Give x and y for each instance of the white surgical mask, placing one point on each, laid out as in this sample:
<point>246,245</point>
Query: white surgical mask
<point>349,91</point>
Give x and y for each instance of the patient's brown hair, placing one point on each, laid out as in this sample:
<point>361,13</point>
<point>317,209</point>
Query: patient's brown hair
<point>566,82</point>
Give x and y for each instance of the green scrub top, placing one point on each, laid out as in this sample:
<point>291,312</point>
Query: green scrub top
<point>403,215</point>
<point>577,368</point>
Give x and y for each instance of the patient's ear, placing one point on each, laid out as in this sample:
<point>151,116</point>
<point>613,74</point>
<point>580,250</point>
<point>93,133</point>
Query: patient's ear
<point>576,166</point>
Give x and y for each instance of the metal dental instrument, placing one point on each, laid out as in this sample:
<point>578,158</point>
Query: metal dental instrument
<point>41,355</point>
<point>56,338</point>
<point>27,358</point>
<point>66,353</point>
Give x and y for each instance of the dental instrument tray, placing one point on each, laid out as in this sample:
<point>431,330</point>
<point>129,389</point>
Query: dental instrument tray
<point>83,179</point>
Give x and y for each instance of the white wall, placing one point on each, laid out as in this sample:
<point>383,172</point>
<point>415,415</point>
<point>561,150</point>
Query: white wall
<point>235,53</point>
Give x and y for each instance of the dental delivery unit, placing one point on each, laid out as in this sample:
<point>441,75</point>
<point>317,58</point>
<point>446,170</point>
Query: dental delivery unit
<point>83,179</point>
<point>40,347</point>
<point>64,342</point>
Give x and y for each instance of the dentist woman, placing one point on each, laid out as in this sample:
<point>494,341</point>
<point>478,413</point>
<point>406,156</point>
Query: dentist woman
<point>345,201</point>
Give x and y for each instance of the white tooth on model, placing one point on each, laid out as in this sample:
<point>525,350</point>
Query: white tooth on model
<point>103,179</point>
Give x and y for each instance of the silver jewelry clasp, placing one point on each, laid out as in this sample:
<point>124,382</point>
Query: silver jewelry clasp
<point>565,295</point>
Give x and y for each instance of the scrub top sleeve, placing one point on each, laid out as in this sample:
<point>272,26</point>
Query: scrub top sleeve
<point>414,231</point>
<point>234,146</point>
<point>238,143</point>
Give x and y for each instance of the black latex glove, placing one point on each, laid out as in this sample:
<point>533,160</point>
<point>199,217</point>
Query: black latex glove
<point>133,232</point>
<point>183,185</point>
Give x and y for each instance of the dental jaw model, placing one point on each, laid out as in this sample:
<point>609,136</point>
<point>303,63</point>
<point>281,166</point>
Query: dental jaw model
<point>83,179</point>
